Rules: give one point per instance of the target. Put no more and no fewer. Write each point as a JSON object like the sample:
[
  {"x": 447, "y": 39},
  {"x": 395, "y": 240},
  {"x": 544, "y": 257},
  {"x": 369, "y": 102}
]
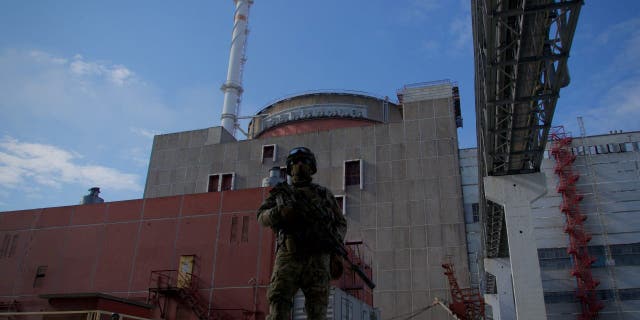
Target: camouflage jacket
[{"x": 318, "y": 214}]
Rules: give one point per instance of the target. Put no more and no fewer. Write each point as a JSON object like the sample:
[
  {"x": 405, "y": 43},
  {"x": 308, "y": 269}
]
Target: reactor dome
[{"x": 322, "y": 110}]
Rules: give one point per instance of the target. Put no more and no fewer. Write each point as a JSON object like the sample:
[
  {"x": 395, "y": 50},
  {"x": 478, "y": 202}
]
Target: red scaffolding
[
  {"x": 466, "y": 303},
  {"x": 578, "y": 238}
]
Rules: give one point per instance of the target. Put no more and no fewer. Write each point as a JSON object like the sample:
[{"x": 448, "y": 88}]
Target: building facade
[
  {"x": 393, "y": 167},
  {"x": 608, "y": 167}
]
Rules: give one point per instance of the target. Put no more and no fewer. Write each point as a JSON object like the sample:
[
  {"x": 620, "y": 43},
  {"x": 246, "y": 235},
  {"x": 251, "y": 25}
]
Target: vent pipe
[{"x": 232, "y": 88}]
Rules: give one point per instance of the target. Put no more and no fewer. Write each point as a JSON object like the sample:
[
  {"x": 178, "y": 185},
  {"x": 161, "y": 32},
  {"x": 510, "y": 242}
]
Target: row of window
[
  {"x": 604, "y": 295},
  {"x": 601, "y": 149},
  {"x": 353, "y": 172},
  {"x": 622, "y": 255}
]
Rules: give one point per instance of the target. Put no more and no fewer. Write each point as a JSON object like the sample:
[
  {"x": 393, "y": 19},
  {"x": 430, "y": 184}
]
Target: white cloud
[
  {"x": 618, "y": 110},
  {"x": 23, "y": 164},
  {"x": 616, "y": 82},
  {"x": 149, "y": 134},
  {"x": 117, "y": 74}
]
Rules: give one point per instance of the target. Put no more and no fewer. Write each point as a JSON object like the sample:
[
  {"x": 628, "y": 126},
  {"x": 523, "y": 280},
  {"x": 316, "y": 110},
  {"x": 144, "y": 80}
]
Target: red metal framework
[
  {"x": 350, "y": 282},
  {"x": 164, "y": 284},
  {"x": 574, "y": 228},
  {"x": 184, "y": 287},
  {"x": 466, "y": 303}
]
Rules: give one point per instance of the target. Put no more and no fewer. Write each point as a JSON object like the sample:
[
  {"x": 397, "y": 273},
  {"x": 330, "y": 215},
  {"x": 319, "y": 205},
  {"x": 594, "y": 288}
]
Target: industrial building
[
  {"x": 543, "y": 224},
  {"x": 392, "y": 166},
  {"x": 606, "y": 176}
]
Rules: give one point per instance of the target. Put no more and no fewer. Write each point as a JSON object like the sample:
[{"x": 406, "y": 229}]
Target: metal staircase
[
  {"x": 579, "y": 238},
  {"x": 184, "y": 287}
]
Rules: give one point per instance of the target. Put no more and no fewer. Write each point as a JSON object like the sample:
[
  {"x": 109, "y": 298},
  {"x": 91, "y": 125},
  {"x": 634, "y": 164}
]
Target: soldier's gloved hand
[{"x": 289, "y": 216}]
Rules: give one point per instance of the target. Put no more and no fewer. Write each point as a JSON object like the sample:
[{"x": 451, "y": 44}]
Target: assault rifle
[{"x": 285, "y": 196}]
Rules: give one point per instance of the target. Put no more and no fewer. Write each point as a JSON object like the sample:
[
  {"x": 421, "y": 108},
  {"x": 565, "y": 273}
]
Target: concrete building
[
  {"x": 609, "y": 182},
  {"x": 392, "y": 166}
]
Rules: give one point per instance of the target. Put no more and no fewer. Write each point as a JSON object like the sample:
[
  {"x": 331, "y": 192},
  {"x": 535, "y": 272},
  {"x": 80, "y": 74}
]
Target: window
[
  {"x": 283, "y": 173},
  {"x": 269, "y": 152},
  {"x": 614, "y": 147},
  {"x": 233, "y": 235},
  {"x": 554, "y": 259},
  {"x": 9, "y": 245},
  {"x": 353, "y": 173},
  {"x": 41, "y": 272},
  {"x": 347, "y": 309},
  {"x": 602, "y": 149},
  {"x": 626, "y": 254},
  {"x": 341, "y": 203},
  {"x": 591, "y": 150},
  {"x": 626, "y": 147},
  {"x": 475, "y": 211},
  {"x": 245, "y": 229},
  {"x": 214, "y": 183},
  {"x": 221, "y": 182},
  {"x": 227, "y": 182}
]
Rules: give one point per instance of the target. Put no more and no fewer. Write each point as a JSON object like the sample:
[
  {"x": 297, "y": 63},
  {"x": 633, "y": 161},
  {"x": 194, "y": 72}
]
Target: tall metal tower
[{"x": 232, "y": 88}]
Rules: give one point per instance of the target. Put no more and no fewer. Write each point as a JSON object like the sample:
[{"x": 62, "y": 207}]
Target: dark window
[
  {"x": 227, "y": 182},
  {"x": 40, "y": 273},
  {"x": 4, "y": 250},
  {"x": 352, "y": 173},
  {"x": 629, "y": 294},
  {"x": 268, "y": 152},
  {"x": 214, "y": 180},
  {"x": 283, "y": 173},
  {"x": 340, "y": 200},
  {"x": 245, "y": 229},
  {"x": 234, "y": 229},
  {"x": 602, "y": 149},
  {"x": 554, "y": 258},
  {"x": 626, "y": 254},
  {"x": 560, "y": 297},
  {"x": 475, "y": 209},
  {"x": 614, "y": 147}
]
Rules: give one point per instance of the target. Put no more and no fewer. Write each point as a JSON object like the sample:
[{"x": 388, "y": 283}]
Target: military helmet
[{"x": 304, "y": 154}]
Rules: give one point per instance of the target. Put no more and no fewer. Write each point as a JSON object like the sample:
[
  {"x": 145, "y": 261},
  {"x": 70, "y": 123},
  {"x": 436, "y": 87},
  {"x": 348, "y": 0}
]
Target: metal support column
[
  {"x": 502, "y": 301},
  {"x": 516, "y": 193}
]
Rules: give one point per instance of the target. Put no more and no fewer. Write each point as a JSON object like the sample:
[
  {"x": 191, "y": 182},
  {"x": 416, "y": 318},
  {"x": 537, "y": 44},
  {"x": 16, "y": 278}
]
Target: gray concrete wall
[
  {"x": 610, "y": 184},
  {"x": 470, "y": 194},
  {"x": 409, "y": 211}
]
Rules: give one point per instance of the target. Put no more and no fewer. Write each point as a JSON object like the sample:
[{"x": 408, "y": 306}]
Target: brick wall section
[{"x": 113, "y": 247}]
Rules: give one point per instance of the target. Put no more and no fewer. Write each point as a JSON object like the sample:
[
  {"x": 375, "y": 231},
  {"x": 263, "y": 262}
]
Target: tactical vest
[{"x": 318, "y": 223}]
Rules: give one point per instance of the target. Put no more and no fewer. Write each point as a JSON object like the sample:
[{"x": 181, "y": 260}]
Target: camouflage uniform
[{"x": 302, "y": 260}]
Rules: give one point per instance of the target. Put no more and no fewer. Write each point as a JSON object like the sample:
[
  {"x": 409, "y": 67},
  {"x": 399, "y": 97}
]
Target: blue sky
[{"x": 84, "y": 85}]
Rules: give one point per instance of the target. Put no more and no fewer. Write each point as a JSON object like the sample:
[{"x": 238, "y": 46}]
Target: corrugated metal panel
[{"x": 427, "y": 93}]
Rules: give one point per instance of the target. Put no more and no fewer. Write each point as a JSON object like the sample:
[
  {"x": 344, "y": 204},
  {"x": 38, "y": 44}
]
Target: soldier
[
  {"x": 303, "y": 221},
  {"x": 92, "y": 197}
]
